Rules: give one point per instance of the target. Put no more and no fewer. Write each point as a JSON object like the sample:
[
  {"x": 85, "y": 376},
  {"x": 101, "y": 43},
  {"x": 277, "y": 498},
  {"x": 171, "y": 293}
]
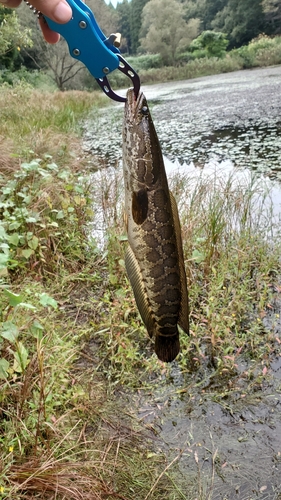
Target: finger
[
  {"x": 57, "y": 10},
  {"x": 10, "y": 3},
  {"x": 49, "y": 35}
]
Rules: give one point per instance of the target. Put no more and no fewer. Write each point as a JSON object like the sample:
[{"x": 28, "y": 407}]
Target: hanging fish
[{"x": 154, "y": 257}]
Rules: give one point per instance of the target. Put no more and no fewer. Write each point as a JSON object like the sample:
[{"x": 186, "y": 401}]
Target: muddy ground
[{"x": 226, "y": 434}]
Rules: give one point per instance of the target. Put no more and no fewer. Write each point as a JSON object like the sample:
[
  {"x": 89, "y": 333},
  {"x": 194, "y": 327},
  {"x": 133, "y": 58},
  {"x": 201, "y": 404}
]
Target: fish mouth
[{"x": 135, "y": 104}]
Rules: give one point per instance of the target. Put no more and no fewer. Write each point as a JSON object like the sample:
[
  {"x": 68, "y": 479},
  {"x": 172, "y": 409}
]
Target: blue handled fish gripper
[{"x": 88, "y": 44}]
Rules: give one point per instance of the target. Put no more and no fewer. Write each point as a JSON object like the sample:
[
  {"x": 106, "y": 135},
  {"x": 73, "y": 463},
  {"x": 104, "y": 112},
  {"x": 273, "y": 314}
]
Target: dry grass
[{"x": 44, "y": 122}]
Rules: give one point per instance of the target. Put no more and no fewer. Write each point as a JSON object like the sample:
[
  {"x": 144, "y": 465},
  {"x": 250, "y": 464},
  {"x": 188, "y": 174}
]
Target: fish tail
[{"x": 167, "y": 347}]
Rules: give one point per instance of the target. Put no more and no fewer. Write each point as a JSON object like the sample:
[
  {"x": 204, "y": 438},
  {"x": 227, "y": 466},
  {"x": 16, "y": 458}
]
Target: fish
[{"x": 154, "y": 256}]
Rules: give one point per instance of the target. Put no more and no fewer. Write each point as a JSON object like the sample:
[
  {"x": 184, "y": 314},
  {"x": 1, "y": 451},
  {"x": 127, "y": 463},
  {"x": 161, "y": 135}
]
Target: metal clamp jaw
[{"x": 88, "y": 44}]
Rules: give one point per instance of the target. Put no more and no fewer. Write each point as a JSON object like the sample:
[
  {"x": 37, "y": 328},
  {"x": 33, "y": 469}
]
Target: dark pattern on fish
[{"x": 154, "y": 258}]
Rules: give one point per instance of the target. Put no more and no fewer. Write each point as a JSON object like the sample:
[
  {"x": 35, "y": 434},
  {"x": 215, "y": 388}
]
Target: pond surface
[{"x": 228, "y": 440}]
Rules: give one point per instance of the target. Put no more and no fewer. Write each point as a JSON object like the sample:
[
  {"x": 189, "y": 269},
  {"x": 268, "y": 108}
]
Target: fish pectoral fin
[
  {"x": 136, "y": 280},
  {"x": 139, "y": 206},
  {"x": 184, "y": 308}
]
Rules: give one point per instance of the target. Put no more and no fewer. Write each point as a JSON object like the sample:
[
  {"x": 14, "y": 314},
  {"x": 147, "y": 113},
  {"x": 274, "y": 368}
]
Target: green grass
[
  {"x": 62, "y": 432},
  {"x": 232, "y": 253},
  {"x": 70, "y": 333}
]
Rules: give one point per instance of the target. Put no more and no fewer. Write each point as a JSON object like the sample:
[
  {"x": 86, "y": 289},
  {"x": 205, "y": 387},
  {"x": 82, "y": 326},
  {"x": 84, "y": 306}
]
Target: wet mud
[{"x": 226, "y": 432}]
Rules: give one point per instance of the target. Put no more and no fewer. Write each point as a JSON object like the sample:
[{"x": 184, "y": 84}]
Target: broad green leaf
[
  {"x": 4, "y": 367},
  {"x": 10, "y": 331},
  {"x": 37, "y": 329},
  {"x": 3, "y": 271},
  {"x": 4, "y": 258},
  {"x": 13, "y": 238},
  {"x": 14, "y": 298},
  {"x": 27, "y": 253},
  {"x": 198, "y": 256},
  {"x": 46, "y": 300},
  {"x": 3, "y": 234},
  {"x": 44, "y": 172},
  {"x": 52, "y": 166},
  {"x": 33, "y": 244},
  {"x": 123, "y": 237},
  {"x": 14, "y": 225},
  {"x": 20, "y": 358},
  {"x": 31, "y": 219}
]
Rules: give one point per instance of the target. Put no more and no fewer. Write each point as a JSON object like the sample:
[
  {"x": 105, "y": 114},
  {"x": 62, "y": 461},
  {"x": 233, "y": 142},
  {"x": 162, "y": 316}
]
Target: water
[{"x": 227, "y": 435}]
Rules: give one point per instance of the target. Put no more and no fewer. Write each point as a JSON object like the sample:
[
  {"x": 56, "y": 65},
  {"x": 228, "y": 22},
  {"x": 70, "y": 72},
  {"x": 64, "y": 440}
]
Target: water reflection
[{"x": 108, "y": 190}]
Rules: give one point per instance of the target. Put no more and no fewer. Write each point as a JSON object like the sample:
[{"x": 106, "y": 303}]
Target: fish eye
[{"x": 144, "y": 110}]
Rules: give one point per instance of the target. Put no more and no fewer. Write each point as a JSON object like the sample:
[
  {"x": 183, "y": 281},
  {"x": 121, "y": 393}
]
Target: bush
[
  {"x": 214, "y": 43},
  {"x": 145, "y": 61},
  {"x": 261, "y": 51},
  {"x": 35, "y": 78}
]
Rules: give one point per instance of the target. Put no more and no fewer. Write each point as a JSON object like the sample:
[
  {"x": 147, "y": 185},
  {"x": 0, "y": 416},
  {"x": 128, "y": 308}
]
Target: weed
[
  {"x": 231, "y": 246},
  {"x": 61, "y": 436},
  {"x": 70, "y": 331}
]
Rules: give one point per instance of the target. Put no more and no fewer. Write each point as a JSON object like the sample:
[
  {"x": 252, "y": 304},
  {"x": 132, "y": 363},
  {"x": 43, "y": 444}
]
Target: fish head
[
  {"x": 136, "y": 108},
  {"x": 142, "y": 155}
]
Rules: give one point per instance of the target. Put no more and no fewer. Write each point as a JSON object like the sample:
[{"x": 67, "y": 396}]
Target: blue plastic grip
[{"x": 86, "y": 41}]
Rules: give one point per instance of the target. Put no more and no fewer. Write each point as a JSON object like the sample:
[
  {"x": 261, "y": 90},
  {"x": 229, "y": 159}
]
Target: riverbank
[{"x": 84, "y": 399}]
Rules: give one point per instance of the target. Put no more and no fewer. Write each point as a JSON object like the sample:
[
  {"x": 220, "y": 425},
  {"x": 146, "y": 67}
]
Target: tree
[
  {"x": 164, "y": 29},
  {"x": 241, "y": 20},
  {"x": 137, "y": 7},
  {"x": 106, "y": 16},
  {"x": 124, "y": 12},
  {"x": 213, "y": 42},
  {"x": 205, "y": 10},
  {"x": 12, "y": 37},
  {"x": 56, "y": 59},
  {"x": 272, "y": 12}
]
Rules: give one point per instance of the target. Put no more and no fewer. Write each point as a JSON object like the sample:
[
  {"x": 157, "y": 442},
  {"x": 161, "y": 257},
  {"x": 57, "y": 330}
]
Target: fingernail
[{"x": 62, "y": 12}]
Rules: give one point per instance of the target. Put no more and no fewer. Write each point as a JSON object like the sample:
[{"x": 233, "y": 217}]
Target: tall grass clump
[
  {"x": 44, "y": 122},
  {"x": 192, "y": 69},
  {"x": 232, "y": 246},
  {"x": 261, "y": 51},
  {"x": 232, "y": 249},
  {"x": 62, "y": 435}
]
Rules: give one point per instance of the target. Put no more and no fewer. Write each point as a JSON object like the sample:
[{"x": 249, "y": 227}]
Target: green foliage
[
  {"x": 212, "y": 42},
  {"x": 31, "y": 217},
  {"x": 164, "y": 30},
  {"x": 241, "y": 20},
  {"x": 145, "y": 62},
  {"x": 34, "y": 78},
  {"x": 54, "y": 289},
  {"x": 12, "y": 37},
  {"x": 124, "y": 25},
  {"x": 262, "y": 51},
  {"x": 136, "y": 12},
  {"x": 272, "y": 12}
]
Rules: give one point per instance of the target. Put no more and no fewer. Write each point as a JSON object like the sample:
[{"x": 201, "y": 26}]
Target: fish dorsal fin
[
  {"x": 184, "y": 308},
  {"x": 135, "y": 277}
]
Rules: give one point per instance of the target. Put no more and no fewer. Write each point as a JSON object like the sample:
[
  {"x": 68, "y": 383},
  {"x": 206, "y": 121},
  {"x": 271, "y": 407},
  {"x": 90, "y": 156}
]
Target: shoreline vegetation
[
  {"x": 71, "y": 339},
  {"x": 261, "y": 52}
]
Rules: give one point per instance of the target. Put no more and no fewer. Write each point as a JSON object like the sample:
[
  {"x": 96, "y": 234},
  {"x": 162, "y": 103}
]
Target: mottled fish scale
[{"x": 154, "y": 258}]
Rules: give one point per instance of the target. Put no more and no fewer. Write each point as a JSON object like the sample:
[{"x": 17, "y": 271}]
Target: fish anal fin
[
  {"x": 184, "y": 308},
  {"x": 135, "y": 277}
]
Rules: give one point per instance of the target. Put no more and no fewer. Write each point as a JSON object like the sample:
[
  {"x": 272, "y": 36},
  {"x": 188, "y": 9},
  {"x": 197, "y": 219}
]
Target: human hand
[{"x": 57, "y": 10}]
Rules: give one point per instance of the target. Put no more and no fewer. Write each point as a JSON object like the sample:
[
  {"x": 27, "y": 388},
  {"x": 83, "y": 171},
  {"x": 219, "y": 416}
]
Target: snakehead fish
[{"x": 154, "y": 256}]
